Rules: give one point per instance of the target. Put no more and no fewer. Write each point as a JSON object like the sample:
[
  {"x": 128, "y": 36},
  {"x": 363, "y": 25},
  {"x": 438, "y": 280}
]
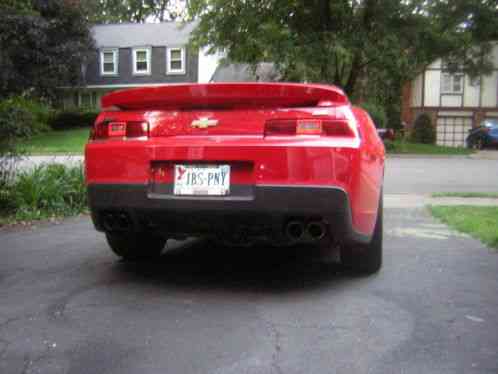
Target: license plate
[{"x": 208, "y": 180}]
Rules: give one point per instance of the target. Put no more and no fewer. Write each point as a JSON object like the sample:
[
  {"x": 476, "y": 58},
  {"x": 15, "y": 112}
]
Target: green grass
[
  {"x": 488, "y": 195},
  {"x": 57, "y": 142},
  {"x": 404, "y": 147},
  {"x": 480, "y": 222}
]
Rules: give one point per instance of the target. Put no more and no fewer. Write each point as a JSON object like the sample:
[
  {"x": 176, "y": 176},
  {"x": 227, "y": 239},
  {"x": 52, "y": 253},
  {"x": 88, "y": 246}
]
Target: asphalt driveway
[{"x": 68, "y": 306}]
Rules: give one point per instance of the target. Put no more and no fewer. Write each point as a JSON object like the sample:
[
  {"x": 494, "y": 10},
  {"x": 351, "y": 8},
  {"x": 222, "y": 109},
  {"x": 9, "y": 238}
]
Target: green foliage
[
  {"x": 390, "y": 146},
  {"x": 478, "y": 221},
  {"x": 363, "y": 46},
  {"x": 70, "y": 119},
  {"x": 139, "y": 11},
  {"x": 405, "y": 147},
  {"x": 377, "y": 113},
  {"x": 20, "y": 118},
  {"x": 423, "y": 131},
  {"x": 45, "y": 191},
  {"x": 57, "y": 142},
  {"x": 43, "y": 45}
]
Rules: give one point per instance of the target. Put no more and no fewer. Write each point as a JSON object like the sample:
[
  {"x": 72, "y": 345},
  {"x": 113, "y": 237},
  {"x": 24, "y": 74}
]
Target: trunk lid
[{"x": 224, "y": 108}]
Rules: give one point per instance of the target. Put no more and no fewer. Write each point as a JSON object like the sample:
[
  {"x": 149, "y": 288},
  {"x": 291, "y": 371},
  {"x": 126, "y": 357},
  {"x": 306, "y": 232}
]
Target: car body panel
[
  {"x": 486, "y": 135},
  {"x": 348, "y": 168}
]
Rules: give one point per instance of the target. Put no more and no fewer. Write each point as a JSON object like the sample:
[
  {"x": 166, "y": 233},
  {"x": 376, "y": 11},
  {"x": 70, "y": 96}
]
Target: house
[
  {"x": 136, "y": 55},
  {"x": 264, "y": 72},
  {"x": 455, "y": 101}
]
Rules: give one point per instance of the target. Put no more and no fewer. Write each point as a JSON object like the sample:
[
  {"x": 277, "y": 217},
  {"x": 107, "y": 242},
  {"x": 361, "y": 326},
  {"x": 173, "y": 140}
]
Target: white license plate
[{"x": 208, "y": 180}]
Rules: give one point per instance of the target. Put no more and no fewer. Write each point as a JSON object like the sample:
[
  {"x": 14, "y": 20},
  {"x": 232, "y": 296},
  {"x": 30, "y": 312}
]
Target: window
[
  {"x": 109, "y": 62},
  {"x": 452, "y": 83},
  {"x": 175, "y": 60},
  {"x": 141, "y": 61}
]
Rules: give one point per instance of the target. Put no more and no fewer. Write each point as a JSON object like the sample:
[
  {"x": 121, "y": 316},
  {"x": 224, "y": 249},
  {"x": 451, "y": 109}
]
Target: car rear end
[{"x": 280, "y": 162}]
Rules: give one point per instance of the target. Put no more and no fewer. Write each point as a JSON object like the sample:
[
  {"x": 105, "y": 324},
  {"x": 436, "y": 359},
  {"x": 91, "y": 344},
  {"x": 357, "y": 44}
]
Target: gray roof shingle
[{"x": 125, "y": 35}]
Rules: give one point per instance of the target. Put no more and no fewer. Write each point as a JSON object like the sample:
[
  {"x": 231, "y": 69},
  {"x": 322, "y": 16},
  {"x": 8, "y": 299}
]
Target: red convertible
[{"x": 274, "y": 163}]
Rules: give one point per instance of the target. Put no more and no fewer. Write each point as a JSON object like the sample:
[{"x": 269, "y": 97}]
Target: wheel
[
  {"x": 479, "y": 143},
  {"x": 136, "y": 246},
  {"x": 366, "y": 258},
  {"x": 476, "y": 143}
]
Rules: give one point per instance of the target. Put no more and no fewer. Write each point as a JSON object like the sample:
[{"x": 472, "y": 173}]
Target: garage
[{"x": 452, "y": 130}]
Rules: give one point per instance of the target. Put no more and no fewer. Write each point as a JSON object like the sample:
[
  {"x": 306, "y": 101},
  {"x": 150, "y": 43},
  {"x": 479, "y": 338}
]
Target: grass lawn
[
  {"x": 481, "y": 222},
  {"x": 403, "y": 147},
  {"x": 489, "y": 195},
  {"x": 54, "y": 142}
]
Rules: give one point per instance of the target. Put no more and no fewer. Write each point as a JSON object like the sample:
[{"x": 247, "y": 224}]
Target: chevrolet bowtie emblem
[{"x": 204, "y": 123}]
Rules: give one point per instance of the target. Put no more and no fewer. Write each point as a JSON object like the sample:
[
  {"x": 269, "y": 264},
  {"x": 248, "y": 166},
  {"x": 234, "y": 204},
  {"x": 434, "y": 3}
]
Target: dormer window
[
  {"x": 141, "y": 61},
  {"x": 109, "y": 61},
  {"x": 175, "y": 61}
]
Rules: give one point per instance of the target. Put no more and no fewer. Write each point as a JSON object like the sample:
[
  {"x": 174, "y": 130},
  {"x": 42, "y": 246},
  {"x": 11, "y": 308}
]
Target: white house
[{"x": 455, "y": 102}]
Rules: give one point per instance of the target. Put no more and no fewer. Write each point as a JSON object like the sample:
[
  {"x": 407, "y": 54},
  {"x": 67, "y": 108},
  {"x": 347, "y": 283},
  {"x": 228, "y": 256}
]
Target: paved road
[
  {"x": 68, "y": 306},
  {"x": 426, "y": 175}
]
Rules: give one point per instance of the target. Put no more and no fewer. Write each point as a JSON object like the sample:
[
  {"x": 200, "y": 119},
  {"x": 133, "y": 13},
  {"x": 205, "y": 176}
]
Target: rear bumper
[{"x": 261, "y": 208}]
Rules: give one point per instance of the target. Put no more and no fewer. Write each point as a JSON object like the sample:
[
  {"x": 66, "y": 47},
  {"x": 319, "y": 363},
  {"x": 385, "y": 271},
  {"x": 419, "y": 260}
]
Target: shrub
[
  {"x": 423, "y": 131},
  {"x": 70, "y": 119},
  {"x": 377, "y": 113},
  {"x": 16, "y": 122},
  {"x": 389, "y": 145},
  {"x": 48, "y": 190}
]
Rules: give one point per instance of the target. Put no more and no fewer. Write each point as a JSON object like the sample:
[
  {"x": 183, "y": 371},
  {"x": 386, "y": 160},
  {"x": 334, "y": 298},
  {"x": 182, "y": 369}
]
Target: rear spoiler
[{"x": 225, "y": 96}]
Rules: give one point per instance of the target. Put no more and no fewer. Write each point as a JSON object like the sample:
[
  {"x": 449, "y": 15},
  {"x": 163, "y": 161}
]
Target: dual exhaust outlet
[
  {"x": 116, "y": 221},
  {"x": 297, "y": 230}
]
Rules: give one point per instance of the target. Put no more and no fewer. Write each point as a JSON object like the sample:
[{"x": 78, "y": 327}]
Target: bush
[
  {"x": 20, "y": 118},
  {"x": 423, "y": 131},
  {"x": 46, "y": 191},
  {"x": 71, "y": 119},
  {"x": 377, "y": 113}
]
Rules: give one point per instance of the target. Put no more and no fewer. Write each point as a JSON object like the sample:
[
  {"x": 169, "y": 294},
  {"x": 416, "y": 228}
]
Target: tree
[
  {"x": 355, "y": 44},
  {"x": 139, "y": 11},
  {"x": 43, "y": 44}
]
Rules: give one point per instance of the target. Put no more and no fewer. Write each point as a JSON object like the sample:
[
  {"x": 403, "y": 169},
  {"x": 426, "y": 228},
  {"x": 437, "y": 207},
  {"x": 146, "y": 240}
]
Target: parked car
[
  {"x": 386, "y": 134},
  {"x": 239, "y": 162},
  {"x": 486, "y": 135}
]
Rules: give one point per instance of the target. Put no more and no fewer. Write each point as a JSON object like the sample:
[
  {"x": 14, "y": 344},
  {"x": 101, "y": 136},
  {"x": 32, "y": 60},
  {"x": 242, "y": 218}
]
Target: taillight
[
  {"x": 116, "y": 129},
  {"x": 327, "y": 127}
]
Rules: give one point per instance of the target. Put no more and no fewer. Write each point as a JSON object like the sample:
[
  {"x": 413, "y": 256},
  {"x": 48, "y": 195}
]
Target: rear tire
[
  {"x": 366, "y": 258},
  {"x": 135, "y": 246}
]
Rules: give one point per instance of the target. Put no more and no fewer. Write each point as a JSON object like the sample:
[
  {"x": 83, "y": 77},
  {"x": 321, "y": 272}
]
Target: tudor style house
[
  {"x": 455, "y": 102},
  {"x": 136, "y": 55}
]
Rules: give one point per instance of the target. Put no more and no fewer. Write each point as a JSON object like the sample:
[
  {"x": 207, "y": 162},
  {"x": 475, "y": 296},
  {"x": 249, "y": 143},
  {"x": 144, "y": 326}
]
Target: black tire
[
  {"x": 135, "y": 246},
  {"x": 476, "y": 143},
  {"x": 366, "y": 258}
]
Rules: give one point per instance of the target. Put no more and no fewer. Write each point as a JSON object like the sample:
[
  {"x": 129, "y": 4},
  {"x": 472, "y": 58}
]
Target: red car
[{"x": 279, "y": 163}]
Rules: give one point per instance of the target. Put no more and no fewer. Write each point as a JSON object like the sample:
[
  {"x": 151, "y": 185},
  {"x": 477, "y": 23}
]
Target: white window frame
[
  {"x": 169, "y": 70},
  {"x": 148, "y": 52},
  {"x": 452, "y": 78},
  {"x": 115, "y": 60}
]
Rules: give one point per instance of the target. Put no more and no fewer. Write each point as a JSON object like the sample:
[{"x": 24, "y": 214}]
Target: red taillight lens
[
  {"x": 332, "y": 127},
  {"x": 137, "y": 129},
  {"x": 280, "y": 127},
  {"x": 134, "y": 129},
  {"x": 337, "y": 128}
]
